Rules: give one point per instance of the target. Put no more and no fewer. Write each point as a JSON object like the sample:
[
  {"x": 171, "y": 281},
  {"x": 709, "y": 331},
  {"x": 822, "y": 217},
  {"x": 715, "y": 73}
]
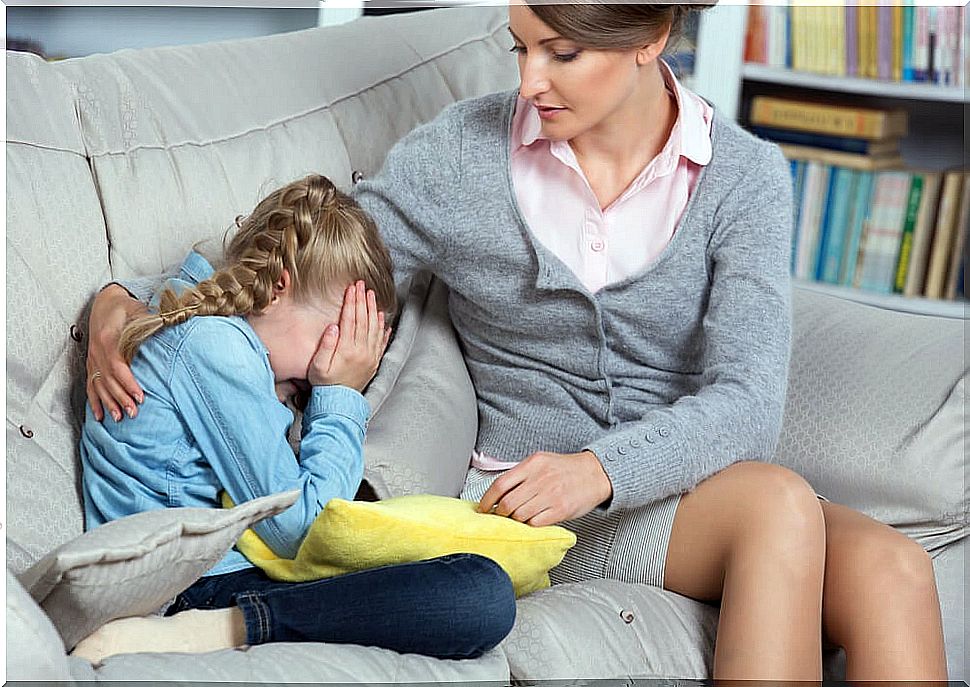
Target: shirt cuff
[{"x": 337, "y": 400}]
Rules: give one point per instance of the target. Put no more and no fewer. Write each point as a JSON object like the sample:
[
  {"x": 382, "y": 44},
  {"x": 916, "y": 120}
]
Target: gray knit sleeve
[
  {"x": 416, "y": 194},
  {"x": 736, "y": 414}
]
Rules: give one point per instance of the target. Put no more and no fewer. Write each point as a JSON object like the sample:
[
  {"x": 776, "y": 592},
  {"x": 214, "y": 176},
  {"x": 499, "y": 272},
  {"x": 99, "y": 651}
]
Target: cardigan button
[
  {"x": 664, "y": 432},
  {"x": 635, "y": 443},
  {"x": 356, "y": 177},
  {"x": 621, "y": 450}
]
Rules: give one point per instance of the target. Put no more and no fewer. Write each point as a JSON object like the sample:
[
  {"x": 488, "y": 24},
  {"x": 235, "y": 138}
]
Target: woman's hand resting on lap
[{"x": 548, "y": 488}]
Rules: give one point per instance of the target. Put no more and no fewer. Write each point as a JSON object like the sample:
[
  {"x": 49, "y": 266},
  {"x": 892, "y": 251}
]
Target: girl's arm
[{"x": 224, "y": 391}]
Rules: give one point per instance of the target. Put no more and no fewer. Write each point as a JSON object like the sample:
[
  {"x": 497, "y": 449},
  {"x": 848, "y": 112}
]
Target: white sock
[{"x": 189, "y": 632}]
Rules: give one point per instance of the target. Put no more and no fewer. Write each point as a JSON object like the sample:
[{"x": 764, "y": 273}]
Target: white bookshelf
[
  {"x": 882, "y": 89},
  {"x": 937, "y": 122}
]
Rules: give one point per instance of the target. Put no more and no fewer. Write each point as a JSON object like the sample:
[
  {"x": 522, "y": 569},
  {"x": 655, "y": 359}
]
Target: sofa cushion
[
  {"x": 424, "y": 415},
  {"x": 34, "y": 649},
  {"x": 311, "y": 662},
  {"x": 57, "y": 256},
  {"x": 875, "y": 414},
  {"x": 134, "y": 565},
  {"x": 610, "y": 629},
  {"x": 184, "y": 139}
]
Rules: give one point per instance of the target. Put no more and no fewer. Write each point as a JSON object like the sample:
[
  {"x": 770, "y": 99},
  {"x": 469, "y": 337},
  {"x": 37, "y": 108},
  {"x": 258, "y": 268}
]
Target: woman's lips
[{"x": 546, "y": 112}]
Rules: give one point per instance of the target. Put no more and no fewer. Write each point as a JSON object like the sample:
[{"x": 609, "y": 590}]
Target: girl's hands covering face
[{"x": 350, "y": 353}]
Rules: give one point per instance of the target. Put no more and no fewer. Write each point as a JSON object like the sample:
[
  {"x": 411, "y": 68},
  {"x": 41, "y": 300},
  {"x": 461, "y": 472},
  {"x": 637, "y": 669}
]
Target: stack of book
[
  {"x": 856, "y": 137},
  {"x": 862, "y": 219},
  {"x": 897, "y": 42}
]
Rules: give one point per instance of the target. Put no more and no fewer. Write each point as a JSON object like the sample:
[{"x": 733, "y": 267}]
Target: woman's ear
[{"x": 651, "y": 52}]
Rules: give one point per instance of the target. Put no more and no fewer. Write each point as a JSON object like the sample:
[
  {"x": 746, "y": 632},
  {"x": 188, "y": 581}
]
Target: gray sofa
[{"x": 117, "y": 164}]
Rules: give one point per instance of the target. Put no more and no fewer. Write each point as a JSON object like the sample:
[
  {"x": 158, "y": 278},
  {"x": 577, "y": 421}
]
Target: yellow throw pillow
[{"x": 356, "y": 535}]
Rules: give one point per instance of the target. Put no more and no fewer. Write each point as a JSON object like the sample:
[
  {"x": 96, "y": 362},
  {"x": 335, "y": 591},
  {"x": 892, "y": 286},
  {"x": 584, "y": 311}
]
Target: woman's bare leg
[
  {"x": 880, "y": 601},
  {"x": 753, "y": 536}
]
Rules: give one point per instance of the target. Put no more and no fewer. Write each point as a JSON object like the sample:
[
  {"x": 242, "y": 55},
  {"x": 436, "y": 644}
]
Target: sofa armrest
[{"x": 34, "y": 649}]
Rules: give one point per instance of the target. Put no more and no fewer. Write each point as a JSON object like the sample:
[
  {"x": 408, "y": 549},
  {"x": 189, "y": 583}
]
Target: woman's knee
[
  {"x": 779, "y": 509},
  {"x": 893, "y": 563}
]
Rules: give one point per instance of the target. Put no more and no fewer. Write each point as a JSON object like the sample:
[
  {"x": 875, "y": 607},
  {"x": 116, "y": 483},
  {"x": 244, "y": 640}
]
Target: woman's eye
[
  {"x": 518, "y": 49},
  {"x": 565, "y": 56}
]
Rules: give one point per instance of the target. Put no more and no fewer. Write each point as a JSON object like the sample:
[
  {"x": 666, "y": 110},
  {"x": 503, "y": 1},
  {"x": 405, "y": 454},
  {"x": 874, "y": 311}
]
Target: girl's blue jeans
[{"x": 456, "y": 606}]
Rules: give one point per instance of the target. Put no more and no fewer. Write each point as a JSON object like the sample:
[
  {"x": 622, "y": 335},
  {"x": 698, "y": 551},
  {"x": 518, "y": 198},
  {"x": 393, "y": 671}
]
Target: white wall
[{"x": 67, "y": 31}]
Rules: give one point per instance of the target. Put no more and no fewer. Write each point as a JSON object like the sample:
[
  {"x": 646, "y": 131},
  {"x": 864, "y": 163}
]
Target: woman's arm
[
  {"x": 110, "y": 384},
  {"x": 409, "y": 198},
  {"x": 736, "y": 414}
]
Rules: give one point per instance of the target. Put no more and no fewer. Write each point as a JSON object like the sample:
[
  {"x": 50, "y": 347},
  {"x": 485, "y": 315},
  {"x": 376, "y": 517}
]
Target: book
[
  {"x": 923, "y": 233},
  {"x": 798, "y": 188},
  {"x": 837, "y": 219},
  {"x": 921, "y": 41},
  {"x": 841, "y": 159},
  {"x": 852, "y": 40},
  {"x": 813, "y": 200},
  {"x": 897, "y": 42},
  {"x": 756, "y": 38},
  {"x": 828, "y": 118},
  {"x": 856, "y": 223},
  {"x": 946, "y": 221},
  {"x": 826, "y": 223},
  {"x": 906, "y": 239},
  {"x": 860, "y": 146},
  {"x": 908, "y": 32},
  {"x": 958, "y": 258},
  {"x": 878, "y": 253},
  {"x": 884, "y": 42}
]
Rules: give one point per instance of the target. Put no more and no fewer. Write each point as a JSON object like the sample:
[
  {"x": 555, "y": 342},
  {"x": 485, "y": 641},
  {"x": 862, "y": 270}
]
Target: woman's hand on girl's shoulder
[
  {"x": 350, "y": 353},
  {"x": 110, "y": 384}
]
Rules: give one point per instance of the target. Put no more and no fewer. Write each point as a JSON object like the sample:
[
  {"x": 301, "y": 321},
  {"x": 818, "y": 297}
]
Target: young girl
[{"x": 289, "y": 311}]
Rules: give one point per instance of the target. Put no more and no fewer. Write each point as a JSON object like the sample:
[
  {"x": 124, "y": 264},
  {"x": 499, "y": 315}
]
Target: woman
[{"x": 617, "y": 253}]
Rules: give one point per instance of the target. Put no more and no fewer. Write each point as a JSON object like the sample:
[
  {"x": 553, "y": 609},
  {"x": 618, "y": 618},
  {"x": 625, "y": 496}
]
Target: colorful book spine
[
  {"x": 825, "y": 223},
  {"x": 852, "y": 40},
  {"x": 897, "y": 42},
  {"x": 816, "y": 186},
  {"x": 829, "y": 119},
  {"x": 856, "y": 226},
  {"x": 921, "y": 45},
  {"x": 885, "y": 228},
  {"x": 884, "y": 42},
  {"x": 906, "y": 240},
  {"x": 859, "y": 146},
  {"x": 839, "y": 66},
  {"x": 946, "y": 221},
  {"x": 923, "y": 233},
  {"x": 908, "y": 31},
  {"x": 846, "y": 181},
  {"x": 798, "y": 190},
  {"x": 958, "y": 257}
]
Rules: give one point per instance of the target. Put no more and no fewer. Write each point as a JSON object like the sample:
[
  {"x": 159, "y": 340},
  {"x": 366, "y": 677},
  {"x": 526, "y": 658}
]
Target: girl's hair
[
  {"x": 616, "y": 25},
  {"x": 311, "y": 229}
]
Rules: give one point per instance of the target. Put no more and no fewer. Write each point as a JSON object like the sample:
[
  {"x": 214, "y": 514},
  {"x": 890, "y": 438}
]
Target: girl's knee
[{"x": 490, "y": 604}]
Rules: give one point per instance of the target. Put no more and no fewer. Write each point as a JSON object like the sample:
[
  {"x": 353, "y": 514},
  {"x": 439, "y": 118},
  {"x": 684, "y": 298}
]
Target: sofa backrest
[{"x": 117, "y": 164}]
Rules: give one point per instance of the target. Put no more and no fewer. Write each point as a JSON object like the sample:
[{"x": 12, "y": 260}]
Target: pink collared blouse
[{"x": 605, "y": 246}]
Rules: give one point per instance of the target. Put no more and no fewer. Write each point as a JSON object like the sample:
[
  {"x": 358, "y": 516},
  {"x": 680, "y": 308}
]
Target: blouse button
[{"x": 597, "y": 245}]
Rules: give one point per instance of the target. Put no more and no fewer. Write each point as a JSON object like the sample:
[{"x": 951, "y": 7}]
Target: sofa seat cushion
[
  {"x": 291, "y": 663},
  {"x": 610, "y": 629}
]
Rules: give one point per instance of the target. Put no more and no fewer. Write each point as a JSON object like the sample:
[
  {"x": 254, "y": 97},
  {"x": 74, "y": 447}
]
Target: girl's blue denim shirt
[{"x": 211, "y": 422}]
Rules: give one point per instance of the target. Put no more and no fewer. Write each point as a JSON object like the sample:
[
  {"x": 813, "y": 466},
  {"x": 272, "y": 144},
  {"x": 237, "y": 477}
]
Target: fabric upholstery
[
  {"x": 132, "y": 566},
  {"x": 875, "y": 415},
  {"x": 57, "y": 257},
  {"x": 34, "y": 649}
]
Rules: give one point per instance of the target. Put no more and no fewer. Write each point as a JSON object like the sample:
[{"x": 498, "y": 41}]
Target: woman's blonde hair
[
  {"x": 617, "y": 24},
  {"x": 309, "y": 228}
]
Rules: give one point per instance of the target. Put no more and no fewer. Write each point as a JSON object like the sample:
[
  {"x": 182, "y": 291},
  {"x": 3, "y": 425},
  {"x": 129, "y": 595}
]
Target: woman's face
[{"x": 575, "y": 90}]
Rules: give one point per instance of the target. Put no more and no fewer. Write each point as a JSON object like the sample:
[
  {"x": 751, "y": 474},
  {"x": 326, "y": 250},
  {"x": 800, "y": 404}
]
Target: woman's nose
[{"x": 533, "y": 81}]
